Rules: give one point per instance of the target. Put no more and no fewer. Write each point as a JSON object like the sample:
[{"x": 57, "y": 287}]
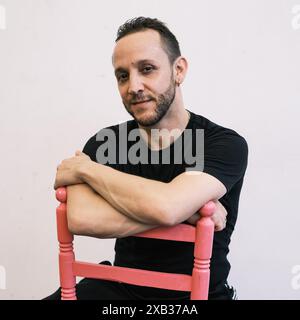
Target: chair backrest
[{"x": 197, "y": 283}]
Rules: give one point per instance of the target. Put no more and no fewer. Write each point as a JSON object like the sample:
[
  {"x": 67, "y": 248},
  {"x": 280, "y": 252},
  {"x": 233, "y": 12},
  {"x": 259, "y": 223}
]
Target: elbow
[
  {"x": 165, "y": 215},
  {"x": 76, "y": 224},
  {"x": 170, "y": 212},
  {"x": 84, "y": 225},
  {"x": 170, "y": 217},
  {"x": 155, "y": 213},
  {"x": 162, "y": 210}
]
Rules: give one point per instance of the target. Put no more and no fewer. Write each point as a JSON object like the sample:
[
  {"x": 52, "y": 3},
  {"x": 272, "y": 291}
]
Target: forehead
[{"x": 138, "y": 46}]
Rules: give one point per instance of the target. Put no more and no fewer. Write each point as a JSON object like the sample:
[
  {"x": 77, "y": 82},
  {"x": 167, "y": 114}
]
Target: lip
[{"x": 141, "y": 102}]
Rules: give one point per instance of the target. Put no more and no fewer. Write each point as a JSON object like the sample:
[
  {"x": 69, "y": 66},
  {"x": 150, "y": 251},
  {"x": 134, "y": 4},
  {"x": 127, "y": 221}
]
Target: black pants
[{"x": 97, "y": 289}]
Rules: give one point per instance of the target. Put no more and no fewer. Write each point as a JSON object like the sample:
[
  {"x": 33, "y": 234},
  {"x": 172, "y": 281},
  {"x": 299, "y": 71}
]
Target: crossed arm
[
  {"x": 106, "y": 203},
  {"x": 91, "y": 215}
]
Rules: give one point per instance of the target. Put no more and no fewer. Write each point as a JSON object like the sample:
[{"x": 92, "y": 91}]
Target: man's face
[{"x": 143, "y": 73}]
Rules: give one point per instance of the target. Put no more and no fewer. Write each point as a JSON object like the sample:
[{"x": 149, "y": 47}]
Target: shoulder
[
  {"x": 109, "y": 134},
  {"x": 225, "y": 151},
  {"x": 216, "y": 134}
]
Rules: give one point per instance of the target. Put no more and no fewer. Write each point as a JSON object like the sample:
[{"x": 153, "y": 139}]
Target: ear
[{"x": 180, "y": 69}]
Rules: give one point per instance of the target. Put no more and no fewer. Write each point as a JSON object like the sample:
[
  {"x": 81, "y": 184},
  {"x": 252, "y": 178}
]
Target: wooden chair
[{"x": 197, "y": 283}]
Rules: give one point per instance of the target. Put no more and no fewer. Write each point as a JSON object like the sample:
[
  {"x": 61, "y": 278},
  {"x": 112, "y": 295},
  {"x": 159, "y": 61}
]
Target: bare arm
[
  {"x": 91, "y": 215},
  {"x": 136, "y": 197},
  {"x": 143, "y": 200},
  {"x": 150, "y": 201}
]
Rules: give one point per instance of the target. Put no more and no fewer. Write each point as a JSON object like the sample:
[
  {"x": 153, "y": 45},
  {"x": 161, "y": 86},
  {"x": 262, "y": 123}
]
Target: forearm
[
  {"x": 91, "y": 215},
  {"x": 135, "y": 197}
]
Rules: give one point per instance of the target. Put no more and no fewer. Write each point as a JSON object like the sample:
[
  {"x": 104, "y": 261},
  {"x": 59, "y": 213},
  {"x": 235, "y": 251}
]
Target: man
[{"x": 110, "y": 196}]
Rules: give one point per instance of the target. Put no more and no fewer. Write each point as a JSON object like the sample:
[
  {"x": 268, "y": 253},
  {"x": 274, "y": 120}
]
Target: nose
[{"x": 135, "y": 84}]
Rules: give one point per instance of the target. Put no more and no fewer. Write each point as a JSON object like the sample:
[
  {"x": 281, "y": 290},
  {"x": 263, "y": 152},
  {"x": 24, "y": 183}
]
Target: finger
[
  {"x": 217, "y": 228},
  {"x": 220, "y": 224}
]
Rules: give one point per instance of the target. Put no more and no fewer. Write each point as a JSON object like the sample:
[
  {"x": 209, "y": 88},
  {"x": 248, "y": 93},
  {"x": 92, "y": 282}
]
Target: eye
[
  {"x": 122, "y": 77},
  {"x": 147, "y": 69}
]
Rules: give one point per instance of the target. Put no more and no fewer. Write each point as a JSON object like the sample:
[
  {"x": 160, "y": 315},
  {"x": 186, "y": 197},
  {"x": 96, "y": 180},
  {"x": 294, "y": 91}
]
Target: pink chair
[{"x": 197, "y": 283}]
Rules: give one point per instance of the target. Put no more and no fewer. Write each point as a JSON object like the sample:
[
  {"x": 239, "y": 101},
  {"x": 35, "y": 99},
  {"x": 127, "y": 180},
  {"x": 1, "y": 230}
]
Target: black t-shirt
[{"x": 225, "y": 158}]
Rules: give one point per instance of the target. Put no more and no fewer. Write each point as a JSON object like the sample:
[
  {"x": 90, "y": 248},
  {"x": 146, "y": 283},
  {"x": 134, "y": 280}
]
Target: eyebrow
[{"x": 138, "y": 63}]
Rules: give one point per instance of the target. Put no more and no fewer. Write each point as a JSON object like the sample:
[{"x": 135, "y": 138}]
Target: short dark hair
[{"x": 169, "y": 41}]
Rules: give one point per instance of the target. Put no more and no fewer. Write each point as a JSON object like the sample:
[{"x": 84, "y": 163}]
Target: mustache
[{"x": 139, "y": 98}]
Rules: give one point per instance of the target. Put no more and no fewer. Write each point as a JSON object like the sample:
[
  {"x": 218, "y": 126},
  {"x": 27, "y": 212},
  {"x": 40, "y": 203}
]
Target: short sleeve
[
  {"x": 225, "y": 157},
  {"x": 93, "y": 145}
]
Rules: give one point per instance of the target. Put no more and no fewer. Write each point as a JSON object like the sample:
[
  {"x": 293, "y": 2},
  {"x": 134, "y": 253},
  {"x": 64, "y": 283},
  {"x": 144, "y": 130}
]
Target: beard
[{"x": 163, "y": 104}]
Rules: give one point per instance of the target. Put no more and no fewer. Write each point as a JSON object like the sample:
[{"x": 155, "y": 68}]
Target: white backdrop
[{"x": 57, "y": 89}]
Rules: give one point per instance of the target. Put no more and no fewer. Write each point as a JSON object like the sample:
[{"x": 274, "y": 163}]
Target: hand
[
  {"x": 68, "y": 171},
  {"x": 218, "y": 217}
]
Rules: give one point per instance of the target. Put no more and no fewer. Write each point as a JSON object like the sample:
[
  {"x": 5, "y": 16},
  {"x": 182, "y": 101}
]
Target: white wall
[{"x": 57, "y": 89}]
